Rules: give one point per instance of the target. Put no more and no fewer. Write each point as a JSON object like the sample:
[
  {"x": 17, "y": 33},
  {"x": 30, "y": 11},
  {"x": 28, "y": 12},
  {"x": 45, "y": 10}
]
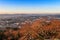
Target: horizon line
[{"x": 29, "y": 13}]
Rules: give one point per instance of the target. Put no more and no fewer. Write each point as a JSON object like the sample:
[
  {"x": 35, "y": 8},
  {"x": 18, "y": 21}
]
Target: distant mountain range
[{"x": 25, "y": 15}]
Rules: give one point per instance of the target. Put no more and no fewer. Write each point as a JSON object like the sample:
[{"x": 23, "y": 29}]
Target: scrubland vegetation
[{"x": 39, "y": 29}]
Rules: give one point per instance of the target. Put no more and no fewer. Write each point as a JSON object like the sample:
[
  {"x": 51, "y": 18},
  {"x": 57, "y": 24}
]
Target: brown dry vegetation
[{"x": 37, "y": 30}]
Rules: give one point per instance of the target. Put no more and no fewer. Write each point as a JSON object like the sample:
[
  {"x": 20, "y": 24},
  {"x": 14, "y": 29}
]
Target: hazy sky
[{"x": 29, "y": 6}]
